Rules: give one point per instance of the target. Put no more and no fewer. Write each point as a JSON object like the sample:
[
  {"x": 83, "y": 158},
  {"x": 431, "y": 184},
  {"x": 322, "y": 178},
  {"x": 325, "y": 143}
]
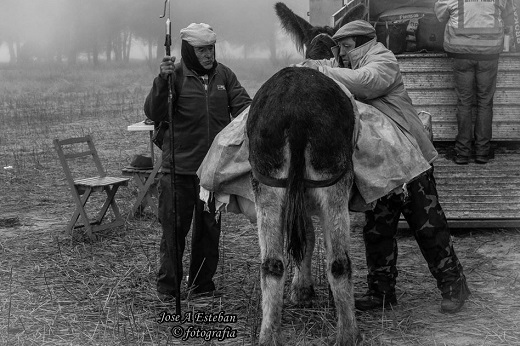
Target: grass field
[{"x": 57, "y": 289}]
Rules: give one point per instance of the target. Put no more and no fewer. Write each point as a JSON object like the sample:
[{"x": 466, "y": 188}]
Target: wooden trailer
[{"x": 474, "y": 195}]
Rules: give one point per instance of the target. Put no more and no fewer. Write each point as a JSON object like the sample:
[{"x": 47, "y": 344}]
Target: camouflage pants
[{"x": 426, "y": 219}]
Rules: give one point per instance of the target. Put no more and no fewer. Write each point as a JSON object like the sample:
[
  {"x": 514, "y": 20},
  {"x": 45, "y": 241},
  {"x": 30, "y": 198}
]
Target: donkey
[
  {"x": 300, "y": 130},
  {"x": 316, "y": 41}
]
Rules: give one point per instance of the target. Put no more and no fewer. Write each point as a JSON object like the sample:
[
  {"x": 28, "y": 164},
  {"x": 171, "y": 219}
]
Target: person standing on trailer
[{"x": 474, "y": 38}]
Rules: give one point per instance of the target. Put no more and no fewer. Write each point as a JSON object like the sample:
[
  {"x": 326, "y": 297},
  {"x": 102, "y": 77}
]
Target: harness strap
[{"x": 309, "y": 183}]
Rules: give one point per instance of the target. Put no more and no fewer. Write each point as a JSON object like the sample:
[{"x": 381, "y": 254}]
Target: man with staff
[{"x": 206, "y": 96}]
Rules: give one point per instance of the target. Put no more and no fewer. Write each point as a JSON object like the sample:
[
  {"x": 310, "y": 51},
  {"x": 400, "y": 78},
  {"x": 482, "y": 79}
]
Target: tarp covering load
[
  {"x": 226, "y": 166},
  {"x": 384, "y": 159}
]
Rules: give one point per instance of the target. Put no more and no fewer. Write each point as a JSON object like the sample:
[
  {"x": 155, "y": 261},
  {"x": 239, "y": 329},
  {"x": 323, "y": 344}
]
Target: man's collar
[{"x": 357, "y": 53}]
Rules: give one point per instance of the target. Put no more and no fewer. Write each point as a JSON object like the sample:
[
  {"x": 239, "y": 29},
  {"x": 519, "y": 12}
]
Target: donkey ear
[
  {"x": 296, "y": 26},
  {"x": 357, "y": 12}
]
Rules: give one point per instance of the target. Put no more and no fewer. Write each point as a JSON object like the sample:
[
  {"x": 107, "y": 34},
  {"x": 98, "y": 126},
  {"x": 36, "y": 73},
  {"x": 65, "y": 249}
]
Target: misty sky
[{"x": 37, "y": 18}]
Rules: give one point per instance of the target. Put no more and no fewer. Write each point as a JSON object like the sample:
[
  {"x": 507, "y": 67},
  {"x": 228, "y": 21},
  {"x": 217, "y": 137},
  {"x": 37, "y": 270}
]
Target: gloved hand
[{"x": 307, "y": 63}]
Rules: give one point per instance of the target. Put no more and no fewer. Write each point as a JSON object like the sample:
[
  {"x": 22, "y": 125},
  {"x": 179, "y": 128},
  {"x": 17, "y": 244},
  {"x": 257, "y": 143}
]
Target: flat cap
[
  {"x": 199, "y": 34},
  {"x": 355, "y": 28}
]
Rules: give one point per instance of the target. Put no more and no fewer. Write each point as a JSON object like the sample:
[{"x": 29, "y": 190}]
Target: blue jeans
[
  {"x": 205, "y": 235},
  {"x": 474, "y": 79}
]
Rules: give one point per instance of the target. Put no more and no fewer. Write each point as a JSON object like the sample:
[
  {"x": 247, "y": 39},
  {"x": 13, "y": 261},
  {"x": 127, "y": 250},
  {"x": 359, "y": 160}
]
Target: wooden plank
[
  {"x": 477, "y": 181},
  {"x": 479, "y": 196},
  {"x": 463, "y": 223},
  {"x": 485, "y": 196},
  {"x": 509, "y": 171},
  {"x": 101, "y": 181},
  {"x": 482, "y": 177},
  {"x": 421, "y": 97},
  {"x": 466, "y": 204},
  {"x": 78, "y": 154},
  {"x": 444, "y": 80},
  {"x": 484, "y": 223},
  {"x": 140, "y": 126},
  {"x": 440, "y": 62},
  {"x": 455, "y": 213},
  {"x": 509, "y": 167},
  {"x": 75, "y": 140},
  {"x": 446, "y": 65},
  {"x": 132, "y": 171},
  {"x": 480, "y": 192},
  {"x": 447, "y": 113},
  {"x": 500, "y": 133}
]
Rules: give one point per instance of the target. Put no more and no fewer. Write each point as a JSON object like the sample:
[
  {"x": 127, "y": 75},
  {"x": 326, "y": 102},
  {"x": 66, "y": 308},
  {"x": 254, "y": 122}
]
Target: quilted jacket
[{"x": 375, "y": 79}]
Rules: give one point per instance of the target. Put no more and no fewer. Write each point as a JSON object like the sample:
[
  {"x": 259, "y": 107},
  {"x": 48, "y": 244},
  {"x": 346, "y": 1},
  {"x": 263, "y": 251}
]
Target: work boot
[
  {"x": 461, "y": 159},
  {"x": 375, "y": 300},
  {"x": 453, "y": 304},
  {"x": 482, "y": 159}
]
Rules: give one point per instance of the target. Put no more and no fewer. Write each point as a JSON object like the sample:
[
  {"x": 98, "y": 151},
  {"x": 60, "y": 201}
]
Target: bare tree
[
  {"x": 70, "y": 28},
  {"x": 10, "y": 28}
]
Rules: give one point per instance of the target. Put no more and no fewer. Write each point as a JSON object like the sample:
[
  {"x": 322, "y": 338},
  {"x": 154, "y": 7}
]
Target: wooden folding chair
[
  {"x": 74, "y": 149},
  {"x": 144, "y": 179}
]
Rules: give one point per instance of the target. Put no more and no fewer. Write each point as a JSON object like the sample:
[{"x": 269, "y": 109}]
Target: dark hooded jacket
[{"x": 200, "y": 112}]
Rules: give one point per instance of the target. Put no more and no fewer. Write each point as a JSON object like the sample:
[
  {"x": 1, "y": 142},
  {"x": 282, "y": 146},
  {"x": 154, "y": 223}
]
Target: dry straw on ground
[{"x": 57, "y": 289}]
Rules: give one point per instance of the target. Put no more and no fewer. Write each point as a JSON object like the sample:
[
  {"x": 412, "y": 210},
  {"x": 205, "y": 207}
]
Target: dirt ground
[
  {"x": 491, "y": 260},
  {"x": 59, "y": 289}
]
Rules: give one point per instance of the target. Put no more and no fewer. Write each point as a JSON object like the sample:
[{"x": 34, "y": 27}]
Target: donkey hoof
[{"x": 303, "y": 295}]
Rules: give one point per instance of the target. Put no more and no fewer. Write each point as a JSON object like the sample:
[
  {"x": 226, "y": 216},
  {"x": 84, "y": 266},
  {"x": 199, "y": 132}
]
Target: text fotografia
[
  {"x": 196, "y": 332},
  {"x": 197, "y": 317}
]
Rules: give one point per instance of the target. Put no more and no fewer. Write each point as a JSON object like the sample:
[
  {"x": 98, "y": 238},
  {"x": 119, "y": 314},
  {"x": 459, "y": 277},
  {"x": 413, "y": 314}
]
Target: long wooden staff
[{"x": 176, "y": 254}]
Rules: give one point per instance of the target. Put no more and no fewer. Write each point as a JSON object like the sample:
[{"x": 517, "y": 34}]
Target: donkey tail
[{"x": 294, "y": 218}]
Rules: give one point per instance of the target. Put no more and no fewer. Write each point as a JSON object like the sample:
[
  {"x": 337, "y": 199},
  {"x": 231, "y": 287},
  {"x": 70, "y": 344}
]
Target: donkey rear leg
[
  {"x": 336, "y": 232},
  {"x": 273, "y": 266},
  {"x": 302, "y": 286}
]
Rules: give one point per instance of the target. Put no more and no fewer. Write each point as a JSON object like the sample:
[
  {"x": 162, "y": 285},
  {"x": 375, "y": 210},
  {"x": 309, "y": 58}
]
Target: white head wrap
[{"x": 199, "y": 35}]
